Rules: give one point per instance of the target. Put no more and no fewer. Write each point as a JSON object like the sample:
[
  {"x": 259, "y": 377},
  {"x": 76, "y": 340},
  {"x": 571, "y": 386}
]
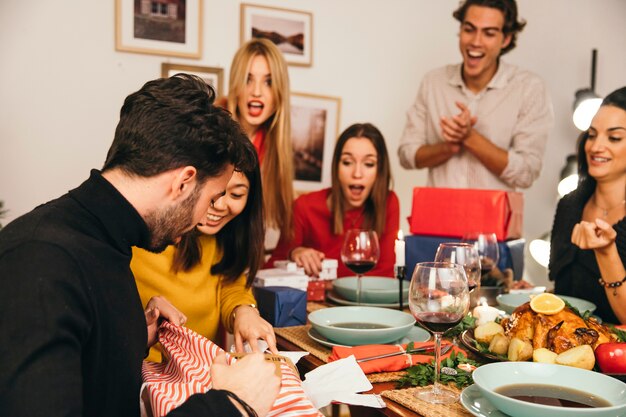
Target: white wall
[{"x": 62, "y": 82}]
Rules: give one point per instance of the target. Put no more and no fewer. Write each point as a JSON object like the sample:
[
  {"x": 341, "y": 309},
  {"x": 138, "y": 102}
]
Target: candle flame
[{"x": 400, "y": 235}]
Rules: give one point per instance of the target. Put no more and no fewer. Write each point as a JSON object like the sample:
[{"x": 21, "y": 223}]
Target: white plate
[
  {"x": 473, "y": 401},
  {"x": 332, "y": 296},
  {"x": 416, "y": 334}
]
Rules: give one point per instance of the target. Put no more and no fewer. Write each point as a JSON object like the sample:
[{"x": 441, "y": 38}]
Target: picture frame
[
  {"x": 314, "y": 130},
  {"x": 211, "y": 75},
  {"x": 290, "y": 30},
  {"x": 159, "y": 27}
]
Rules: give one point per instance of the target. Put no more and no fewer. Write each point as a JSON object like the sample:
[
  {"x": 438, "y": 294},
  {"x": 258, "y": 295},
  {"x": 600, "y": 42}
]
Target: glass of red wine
[
  {"x": 360, "y": 252},
  {"x": 439, "y": 299},
  {"x": 466, "y": 255}
]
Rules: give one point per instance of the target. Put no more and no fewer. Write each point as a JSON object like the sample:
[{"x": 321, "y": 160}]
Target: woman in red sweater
[{"x": 360, "y": 198}]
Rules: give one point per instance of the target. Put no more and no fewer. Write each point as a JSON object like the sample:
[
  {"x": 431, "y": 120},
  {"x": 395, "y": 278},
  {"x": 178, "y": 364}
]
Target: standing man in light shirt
[{"x": 482, "y": 123}]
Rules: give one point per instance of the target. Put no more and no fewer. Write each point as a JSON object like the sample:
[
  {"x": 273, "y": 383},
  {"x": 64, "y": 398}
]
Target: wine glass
[
  {"x": 360, "y": 252},
  {"x": 438, "y": 299},
  {"x": 487, "y": 246},
  {"x": 466, "y": 255}
]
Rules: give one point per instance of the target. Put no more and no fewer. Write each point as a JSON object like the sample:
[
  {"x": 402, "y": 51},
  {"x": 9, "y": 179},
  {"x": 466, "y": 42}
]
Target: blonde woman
[{"x": 258, "y": 99}]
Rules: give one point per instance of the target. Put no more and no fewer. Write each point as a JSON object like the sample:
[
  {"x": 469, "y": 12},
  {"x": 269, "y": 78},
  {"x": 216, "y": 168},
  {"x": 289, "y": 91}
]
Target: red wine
[
  {"x": 438, "y": 322},
  {"x": 360, "y": 267}
]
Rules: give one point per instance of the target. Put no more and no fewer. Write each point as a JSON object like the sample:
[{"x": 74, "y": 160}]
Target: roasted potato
[
  {"x": 499, "y": 344},
  {"x": 519, "y": 350},
  {"x": 580, "y": 357},
  {"x": 544, "y": 355},
  {"x": 484, "y": 333}
]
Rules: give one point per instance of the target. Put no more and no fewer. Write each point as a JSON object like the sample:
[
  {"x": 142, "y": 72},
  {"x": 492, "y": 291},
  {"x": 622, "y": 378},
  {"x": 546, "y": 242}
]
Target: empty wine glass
[
  {"x": 438, "y": 299},
  {"x": 466, "y": 255},
  {"x": 360, "y": 252},
  {"x": 487, "y": 246}
]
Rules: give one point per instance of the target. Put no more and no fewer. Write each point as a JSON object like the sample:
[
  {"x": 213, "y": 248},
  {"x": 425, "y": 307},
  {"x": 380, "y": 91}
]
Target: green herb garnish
[
  {"x": 424, "y": 374},
  {"x": 621, "y": 334},
  {"x": 467, "y": 323}
]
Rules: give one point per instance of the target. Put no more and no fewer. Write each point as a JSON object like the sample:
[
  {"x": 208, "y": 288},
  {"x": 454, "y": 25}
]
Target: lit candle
[{"x": 399, "y": 249}]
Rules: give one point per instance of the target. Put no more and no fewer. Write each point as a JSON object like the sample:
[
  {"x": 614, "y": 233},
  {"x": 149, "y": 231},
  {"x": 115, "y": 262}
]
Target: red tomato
[{"x": 611, "y": 357}]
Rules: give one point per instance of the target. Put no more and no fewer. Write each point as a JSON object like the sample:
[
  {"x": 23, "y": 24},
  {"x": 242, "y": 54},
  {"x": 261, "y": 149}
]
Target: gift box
[
  {"x": 281, "y": 306},
  {"x": 424, "y": 248},
  {"x": 316, "y": 290},
  {"x": 453, "y": 212}
]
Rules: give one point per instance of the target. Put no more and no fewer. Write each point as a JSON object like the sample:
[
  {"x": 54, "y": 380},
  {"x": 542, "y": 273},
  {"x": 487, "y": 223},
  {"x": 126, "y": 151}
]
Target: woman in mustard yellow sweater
[{"x": 204, "y": 274}]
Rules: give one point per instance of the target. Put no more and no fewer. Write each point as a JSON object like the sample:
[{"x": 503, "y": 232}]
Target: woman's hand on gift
[
  {"x": 309, "y": 259},
  {"x": 595, "y": 235},
  {"x": 160, "y": 308},
  {"x": 251, "y": 378},
  {"x": 249, "y": 326}
]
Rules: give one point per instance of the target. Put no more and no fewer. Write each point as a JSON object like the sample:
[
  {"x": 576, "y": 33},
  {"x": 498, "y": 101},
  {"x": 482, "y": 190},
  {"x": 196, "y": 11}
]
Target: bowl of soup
[
  {"x": 530, "y": 389},
  {"x": 361, "y": 325}
]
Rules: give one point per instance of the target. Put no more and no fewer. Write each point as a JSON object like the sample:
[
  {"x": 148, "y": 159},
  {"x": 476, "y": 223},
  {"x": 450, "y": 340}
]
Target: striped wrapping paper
[{"x": 187, "y": 372}]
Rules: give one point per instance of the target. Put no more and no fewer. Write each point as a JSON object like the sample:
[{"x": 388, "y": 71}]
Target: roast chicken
[{"x": 557, "y": 332}]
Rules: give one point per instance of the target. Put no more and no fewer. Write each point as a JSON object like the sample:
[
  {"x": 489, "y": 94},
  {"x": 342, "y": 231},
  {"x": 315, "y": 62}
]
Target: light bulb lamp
[
  {"x": 540, "y": 249},
  {"x": 587, "y": 102}
]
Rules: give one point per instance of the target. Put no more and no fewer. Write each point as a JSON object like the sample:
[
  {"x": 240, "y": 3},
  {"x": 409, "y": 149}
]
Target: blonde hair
[{"x": 277, "y": 170}]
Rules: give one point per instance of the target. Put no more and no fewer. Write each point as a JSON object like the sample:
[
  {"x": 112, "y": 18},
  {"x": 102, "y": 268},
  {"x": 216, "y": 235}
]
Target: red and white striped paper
[{"x": 187, "y": 372}]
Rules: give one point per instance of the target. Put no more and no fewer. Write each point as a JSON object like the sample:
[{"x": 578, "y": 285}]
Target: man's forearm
[
  {"x": 428, "y": 156},
  {"x": 495, "y": 159}
]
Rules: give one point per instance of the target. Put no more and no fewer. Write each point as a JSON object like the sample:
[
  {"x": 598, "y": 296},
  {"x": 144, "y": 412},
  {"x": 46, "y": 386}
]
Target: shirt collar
[
  {"x": 499, "y": 80},
  {"x": 119, "y": 218}
]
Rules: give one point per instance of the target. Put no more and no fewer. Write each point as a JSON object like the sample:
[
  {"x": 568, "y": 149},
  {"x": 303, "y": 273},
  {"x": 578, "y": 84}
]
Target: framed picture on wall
[
  {"x": 290, "y": 30},
  {"x": 211, "y": 75},
  {"x": 314, "y": 130},
  {"x": 159, "y": 27}
]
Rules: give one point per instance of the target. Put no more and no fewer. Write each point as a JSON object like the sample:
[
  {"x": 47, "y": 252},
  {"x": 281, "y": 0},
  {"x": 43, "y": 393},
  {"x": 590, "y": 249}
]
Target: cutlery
[{"x": 444, "y": 350}]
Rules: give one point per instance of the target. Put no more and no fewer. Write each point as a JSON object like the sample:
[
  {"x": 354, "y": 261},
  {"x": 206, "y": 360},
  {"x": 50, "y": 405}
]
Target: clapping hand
[
  {"x": 456, "y": 129},
  {"x": 593, "y": 235}
]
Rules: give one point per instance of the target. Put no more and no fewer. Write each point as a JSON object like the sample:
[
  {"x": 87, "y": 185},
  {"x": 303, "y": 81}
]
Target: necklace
[{"x": 605, "y": 211}]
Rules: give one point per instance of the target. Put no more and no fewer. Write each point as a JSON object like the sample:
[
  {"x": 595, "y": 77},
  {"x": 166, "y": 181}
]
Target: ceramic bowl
[
  {"x": 493, "y": 376},
  {"x": 396, "y": 324},
  {"x": 509, "y": 302},
  {"x": 376, "y": 290}
]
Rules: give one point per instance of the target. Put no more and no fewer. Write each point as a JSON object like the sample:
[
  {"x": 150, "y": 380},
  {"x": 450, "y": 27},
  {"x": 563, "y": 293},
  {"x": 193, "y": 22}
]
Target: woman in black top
[{"x": 588, "y": 248}]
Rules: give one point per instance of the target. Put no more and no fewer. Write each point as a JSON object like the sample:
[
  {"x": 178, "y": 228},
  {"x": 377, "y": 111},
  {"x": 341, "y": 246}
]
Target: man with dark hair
[
  {"x": 483, "y": 123},
  {"x": 73, "y": 331}
]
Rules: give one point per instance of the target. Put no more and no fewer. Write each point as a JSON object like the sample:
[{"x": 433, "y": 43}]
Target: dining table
[{"x": 400, "y": 402}]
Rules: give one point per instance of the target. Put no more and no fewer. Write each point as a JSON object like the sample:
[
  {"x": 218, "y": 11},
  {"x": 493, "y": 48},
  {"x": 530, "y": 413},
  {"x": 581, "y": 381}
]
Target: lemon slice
[{"x": 547, "y": 303}]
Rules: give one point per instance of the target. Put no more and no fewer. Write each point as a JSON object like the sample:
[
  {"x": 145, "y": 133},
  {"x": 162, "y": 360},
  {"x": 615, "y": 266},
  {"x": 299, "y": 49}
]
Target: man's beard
[{"x": 167, "y": 225}]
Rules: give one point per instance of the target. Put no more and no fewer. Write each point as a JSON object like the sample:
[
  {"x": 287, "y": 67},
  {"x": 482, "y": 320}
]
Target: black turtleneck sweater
[
  {"x": 72, "y": 327},
  {"x": 575, "y": 271}
]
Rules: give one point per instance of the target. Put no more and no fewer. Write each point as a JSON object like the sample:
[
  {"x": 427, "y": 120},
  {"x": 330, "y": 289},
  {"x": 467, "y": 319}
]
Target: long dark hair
[
  {"x": 586, "y": 183},
  {"x": 376, "y": 203},
  {"x": 240, "y": 241}
]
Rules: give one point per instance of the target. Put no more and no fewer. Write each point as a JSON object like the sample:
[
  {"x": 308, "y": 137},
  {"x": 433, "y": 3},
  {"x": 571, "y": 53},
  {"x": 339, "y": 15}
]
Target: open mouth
[
  {"x": 600, "y": 159},
  {"x": 474, "y": 57},
  {"x": 255, "y": 108},
  {"x": 356, "y": 190}
]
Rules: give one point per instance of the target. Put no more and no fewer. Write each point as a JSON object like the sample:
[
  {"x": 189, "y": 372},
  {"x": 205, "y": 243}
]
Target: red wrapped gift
[
  {"x": 316, "y": 290},
  {"x": 454, "y": 212}
]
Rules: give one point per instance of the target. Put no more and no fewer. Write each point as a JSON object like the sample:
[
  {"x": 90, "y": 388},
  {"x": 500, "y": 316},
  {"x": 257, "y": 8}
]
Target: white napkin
[{"x": 340, "y": 381}]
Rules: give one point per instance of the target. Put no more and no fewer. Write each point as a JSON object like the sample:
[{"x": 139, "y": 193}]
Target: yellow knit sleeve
[{"x": 234, "y": 294}]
